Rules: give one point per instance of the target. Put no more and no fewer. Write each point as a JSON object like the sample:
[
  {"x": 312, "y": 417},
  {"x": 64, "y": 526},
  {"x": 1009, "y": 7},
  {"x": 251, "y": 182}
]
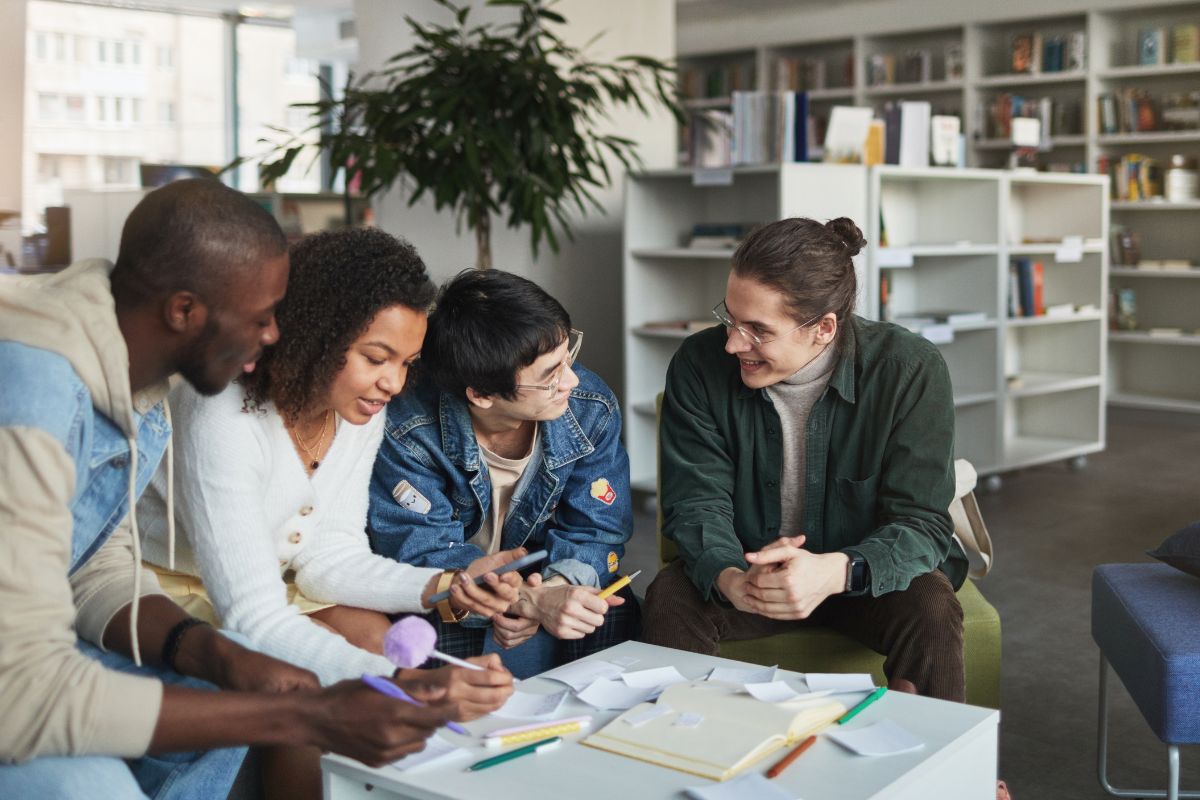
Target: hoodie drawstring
[
  {"x": 170, "y": 487},
  {"x": 137, "y": 550}
]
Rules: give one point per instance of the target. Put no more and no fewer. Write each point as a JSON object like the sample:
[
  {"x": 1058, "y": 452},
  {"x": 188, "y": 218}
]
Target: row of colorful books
[
  {"x": 1132, "y": 177},
  {"x": 1138, "y": 111},
  {"x": 1180, "y": 44},
  {"x": 1035, "y": 53},
  {"x": 1058, "y": 117},
  {"x": 915, "y": 65},
  {"x": 718, "y": 80},
  {"x": 759, "y": 128},
  {"x": 806, "y": 73}
]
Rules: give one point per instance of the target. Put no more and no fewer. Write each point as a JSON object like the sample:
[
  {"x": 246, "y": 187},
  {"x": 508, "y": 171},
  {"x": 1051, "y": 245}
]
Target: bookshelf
[
  {"x": 1145, "y": 371},
  {"x": 950, "y": 236},
  {"x": 665, "y": 280}
]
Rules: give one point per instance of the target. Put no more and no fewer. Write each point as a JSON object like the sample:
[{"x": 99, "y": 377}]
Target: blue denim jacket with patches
[
  {"x": 572, "y": 499},
  {"x": 42, "y": 390}
]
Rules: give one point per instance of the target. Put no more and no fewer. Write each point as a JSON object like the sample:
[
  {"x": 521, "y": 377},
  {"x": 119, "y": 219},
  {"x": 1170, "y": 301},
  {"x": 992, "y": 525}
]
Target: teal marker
[
  {"x": 536, "y": 747},
  {"x": 871, "y": 698}
]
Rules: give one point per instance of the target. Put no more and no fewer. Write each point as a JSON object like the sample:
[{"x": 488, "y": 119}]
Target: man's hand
[
  {"x": 787, "y": 582},
  {"x": 565, "y": 611},
  {"x": 464, "y": 694},
  {"x": 355, "y": 720},
  {"x": 245, "y": 670},
  {"x": 510, "y": 630},
  {"x": 498, "y": 591}
]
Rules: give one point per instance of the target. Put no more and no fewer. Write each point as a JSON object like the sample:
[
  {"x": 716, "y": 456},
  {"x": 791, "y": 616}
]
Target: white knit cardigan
[{"x": 249, "y": 512}]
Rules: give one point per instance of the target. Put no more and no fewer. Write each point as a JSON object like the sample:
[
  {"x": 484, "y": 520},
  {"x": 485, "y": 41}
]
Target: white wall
[
  {"x": 586, "y": 274},
  {"x": 714, "y": 25},
  {"x": 12, "y": 97}
]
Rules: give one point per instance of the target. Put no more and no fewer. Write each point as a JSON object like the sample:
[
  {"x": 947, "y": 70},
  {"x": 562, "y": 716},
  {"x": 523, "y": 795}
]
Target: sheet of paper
[
  {"x": 883, "y": 738},
  {"x": 624, "y": 661},
  {"x": 640, "y": 718},
  {"x": 742, "y": 675},
  {"x": 657, "y": 678},
  {"x": 747, "y": 786},
  {"x": 939, "y": 334},
  {"x": 527, "y": 705},
  {"x": 840, "y": 681},
  {"x": 689, "y": 720},
  {"x": 895, "y": 257},
  {"x": 773, "y": 692},
  {"x": 436, "y": 750},
  {"x": 581, "y": 674},
  {"x": 607, "y": 693},
  {"x": 1070, "y": 251}
]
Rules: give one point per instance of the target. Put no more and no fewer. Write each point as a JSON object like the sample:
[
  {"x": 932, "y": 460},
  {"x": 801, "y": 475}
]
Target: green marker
[
  {"x": 536, "y": 747},
  {"x": 871, "y": 698}
]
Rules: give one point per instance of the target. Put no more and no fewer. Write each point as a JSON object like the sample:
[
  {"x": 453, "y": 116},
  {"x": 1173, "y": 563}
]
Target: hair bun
[{"x": 850, "y": 234}]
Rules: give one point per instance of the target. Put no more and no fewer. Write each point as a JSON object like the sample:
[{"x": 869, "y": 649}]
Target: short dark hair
[
  {"x": 192, "y": 235},
  {"x": 486, "y": 326},
  {"x": 340, "y": 280},
  {"x": 809, "y": 262}
]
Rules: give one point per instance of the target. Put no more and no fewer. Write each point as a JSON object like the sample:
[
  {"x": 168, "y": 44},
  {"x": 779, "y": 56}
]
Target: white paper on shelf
[
  {"x": 658, "y": 678},
  {"x": 606, "y": 693},
  {"x": 883, "y": 738},
  {"x": 581, "y": 674},
  {"x": 747, "y": 786},
  {"x": 742, "y": 675},
  {"x": 892, "y": 257},
  {"x": 1070, "y": 251},
  {"x": 640, "y": 718},
  {"x": 712, "y": 176},
  {"x": 840, "y": 681},
  {"x": 689, "y": 719},
  {"x": 527, "y": 705},
  {"x": 436, "y": 750},
  {"x": 938, "y": 334}
]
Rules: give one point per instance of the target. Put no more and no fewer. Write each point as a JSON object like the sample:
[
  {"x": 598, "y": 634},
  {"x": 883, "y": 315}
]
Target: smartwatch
[{"x": 857, "y": 575}]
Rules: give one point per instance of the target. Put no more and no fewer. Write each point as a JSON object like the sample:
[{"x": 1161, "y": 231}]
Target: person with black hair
[
  {"x": 107, "y": 687},
  {"x": 807, "y": 469},
  {"x": 507, "y": 442}
]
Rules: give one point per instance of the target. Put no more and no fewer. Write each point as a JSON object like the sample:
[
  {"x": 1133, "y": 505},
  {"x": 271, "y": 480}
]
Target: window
[
  {"x": 74, "y": 108},
  {"x": 135, "y": 110},
  {"x": 41, "y": 45},
  {"x": 48, "y": 106},
  {"x": 60, "y": 47},
  {"x": 118, "y": 52},
  {"x": 101, "y": 109},
  {"x": 118, "y": 109},
  {"x": 101, "y": 51},
  {"x": 166, "y": 57},
  {"x": 49, "y": 167},
  {"x": 135, "y": 53},
  {"x": 166, "y": 112},
  {"x": 119, "y": 171}
]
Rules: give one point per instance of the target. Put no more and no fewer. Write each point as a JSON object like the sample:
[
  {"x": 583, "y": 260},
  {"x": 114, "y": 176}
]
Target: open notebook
[{"x": 734, "y": 731}]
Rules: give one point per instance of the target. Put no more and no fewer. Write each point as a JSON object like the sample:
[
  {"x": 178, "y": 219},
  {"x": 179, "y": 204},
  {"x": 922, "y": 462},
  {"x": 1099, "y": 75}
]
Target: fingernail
[{"x": 463, "y": 579}]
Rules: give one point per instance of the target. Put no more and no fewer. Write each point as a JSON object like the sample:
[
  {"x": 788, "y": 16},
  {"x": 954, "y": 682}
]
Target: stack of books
[
  {"x": 1132, "y": 177},
  {"x": 1036, "y": 53}
]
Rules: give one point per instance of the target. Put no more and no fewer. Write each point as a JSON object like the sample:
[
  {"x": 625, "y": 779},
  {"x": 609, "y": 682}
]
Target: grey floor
[{"x": 1050, "y": 526}]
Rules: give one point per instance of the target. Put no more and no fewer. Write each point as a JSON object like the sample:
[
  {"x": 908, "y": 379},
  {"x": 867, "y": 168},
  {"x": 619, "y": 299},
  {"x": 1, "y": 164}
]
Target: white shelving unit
[
  {"x": 955, "y": 230},
  {"x": 1027, "y": 390},
  {"x": 667, "y": 281},
  {"x": 1146, "y": 371}
]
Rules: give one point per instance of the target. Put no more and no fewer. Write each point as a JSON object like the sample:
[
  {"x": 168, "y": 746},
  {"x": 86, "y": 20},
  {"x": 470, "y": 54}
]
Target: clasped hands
[{"x": 784, "y": 580}]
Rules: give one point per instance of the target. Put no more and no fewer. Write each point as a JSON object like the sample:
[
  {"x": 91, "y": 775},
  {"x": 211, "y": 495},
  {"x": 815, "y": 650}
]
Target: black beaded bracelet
[{"x": 174, "y": 639}]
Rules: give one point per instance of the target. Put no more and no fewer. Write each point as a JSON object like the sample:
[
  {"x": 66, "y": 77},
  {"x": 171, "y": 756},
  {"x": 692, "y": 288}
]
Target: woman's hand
[
  {"x": 466, "y": 694},
  {"x": 496, "y": 594}
]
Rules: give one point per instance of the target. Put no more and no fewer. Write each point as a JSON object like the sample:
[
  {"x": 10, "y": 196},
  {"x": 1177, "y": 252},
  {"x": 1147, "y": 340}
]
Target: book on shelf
[
  {"x": 881, "y": 69},
  {"x": 1126, "y": 246},
  {"x": 952, "y": 60},
  {"x": 718, "y": 80},
  {"x": 914, "y": 133},
  {"x": 1123, "y": 309},
  {"x": 941, "y": 317},
  {"x": 945, "y": 136},
  {"x": 1132, "y": 177},
  {"x": 1022, "y": 53},
  {"x": 1026, "y": 288},
  {"x": 1134, "y": 110},
  {"x": 1058, "y": 117},
  {"x": 1185, "y": 43},
  {"x": 710, "y": 138},
  {"x": 735, "y": 730},
  {"x": 1151, "y": 46},
  {"x": 1061, "y": 310},
  {"x": 719, "y": 235},
  {"x": 1164, "y": 333},
  {"x": 1076, "y": 56},
  {"x": 917, "y": 66}
]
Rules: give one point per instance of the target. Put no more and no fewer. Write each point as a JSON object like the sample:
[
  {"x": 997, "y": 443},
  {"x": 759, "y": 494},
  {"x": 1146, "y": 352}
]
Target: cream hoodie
[{"x": 53, "y": 699}]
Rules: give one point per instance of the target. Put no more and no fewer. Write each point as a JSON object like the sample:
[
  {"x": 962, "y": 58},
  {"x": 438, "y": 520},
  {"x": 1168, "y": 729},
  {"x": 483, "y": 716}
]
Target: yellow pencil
[{"x": 617, "y": 585}]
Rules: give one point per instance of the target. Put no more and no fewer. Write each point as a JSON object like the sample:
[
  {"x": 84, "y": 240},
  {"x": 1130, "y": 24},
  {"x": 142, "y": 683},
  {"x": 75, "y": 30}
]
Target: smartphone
[{"x": 520, "y": 563}]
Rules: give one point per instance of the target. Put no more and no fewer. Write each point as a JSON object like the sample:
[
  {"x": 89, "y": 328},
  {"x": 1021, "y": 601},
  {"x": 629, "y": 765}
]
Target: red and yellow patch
[
  {"x": 613, "y": 561},
  {"x": 602, "y": 490}
]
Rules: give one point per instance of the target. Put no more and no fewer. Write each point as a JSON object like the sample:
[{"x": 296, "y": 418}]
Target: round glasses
[
  {"x": 722, "y": 314},
  {"x": 574, "y": 343}
]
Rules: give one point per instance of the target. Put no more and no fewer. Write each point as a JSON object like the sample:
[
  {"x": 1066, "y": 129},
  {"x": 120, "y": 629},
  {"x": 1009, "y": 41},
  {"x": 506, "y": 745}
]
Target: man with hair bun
[{"x": 807, "y": 468}]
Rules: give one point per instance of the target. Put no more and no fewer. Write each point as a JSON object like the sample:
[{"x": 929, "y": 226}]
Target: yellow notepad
[{"x": 736, "y": 732}]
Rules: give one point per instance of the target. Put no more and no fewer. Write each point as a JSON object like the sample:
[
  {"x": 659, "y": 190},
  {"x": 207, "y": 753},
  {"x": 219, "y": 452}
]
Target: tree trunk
[{"x": 483, "y": 241}]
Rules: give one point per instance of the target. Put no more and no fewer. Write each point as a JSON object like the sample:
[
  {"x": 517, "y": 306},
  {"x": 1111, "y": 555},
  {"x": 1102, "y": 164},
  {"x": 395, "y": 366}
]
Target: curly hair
[{"x": 339, "y": 281}]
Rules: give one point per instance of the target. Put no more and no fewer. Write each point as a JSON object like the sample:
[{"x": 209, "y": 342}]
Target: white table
[{"x": 959, "y": 759}]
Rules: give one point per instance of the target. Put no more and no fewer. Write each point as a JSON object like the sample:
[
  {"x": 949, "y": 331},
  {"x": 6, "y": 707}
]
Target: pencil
[
  {"x": 786, "y": 761},
  {"x": 617, "y": 585}
]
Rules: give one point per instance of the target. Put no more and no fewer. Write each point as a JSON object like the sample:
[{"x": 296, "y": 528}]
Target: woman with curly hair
[{"x": 272, "y": 474}]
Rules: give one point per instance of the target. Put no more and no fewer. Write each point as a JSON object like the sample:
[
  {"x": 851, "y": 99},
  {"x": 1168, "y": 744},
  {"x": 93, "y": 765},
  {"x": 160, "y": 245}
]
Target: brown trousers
[{"x": 919, "y": 630}]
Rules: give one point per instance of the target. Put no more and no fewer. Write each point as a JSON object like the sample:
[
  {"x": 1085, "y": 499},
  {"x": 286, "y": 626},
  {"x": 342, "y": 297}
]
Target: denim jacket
[
  {"x": 98, "y": 448},
  {"x": 572, "y": 500}
]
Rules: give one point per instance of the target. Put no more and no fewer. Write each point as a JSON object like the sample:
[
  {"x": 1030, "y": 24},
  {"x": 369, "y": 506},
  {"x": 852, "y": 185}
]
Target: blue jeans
[{"x": 172, "y": 776}]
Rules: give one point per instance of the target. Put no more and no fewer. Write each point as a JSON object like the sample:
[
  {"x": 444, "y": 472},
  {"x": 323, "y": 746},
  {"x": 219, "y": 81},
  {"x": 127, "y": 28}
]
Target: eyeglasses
[
  {"x": 574, "y": 343},
  {"x": 722, "y": 314}
]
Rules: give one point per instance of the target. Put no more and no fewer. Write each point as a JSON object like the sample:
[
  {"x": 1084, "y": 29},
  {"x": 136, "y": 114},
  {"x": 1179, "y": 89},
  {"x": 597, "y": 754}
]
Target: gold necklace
[{"x": 312, "y": 451}]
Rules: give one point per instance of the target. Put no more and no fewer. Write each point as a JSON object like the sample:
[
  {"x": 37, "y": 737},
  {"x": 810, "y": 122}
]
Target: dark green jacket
[{"x": 880, "y": 459}]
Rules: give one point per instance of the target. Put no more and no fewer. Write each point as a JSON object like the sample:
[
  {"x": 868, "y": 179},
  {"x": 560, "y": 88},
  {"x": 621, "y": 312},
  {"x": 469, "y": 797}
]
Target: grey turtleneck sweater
[{"x": 794, "y": 399}]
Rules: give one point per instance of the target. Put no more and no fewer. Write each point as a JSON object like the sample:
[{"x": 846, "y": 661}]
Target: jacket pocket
[{"x": 856, "y": 514}]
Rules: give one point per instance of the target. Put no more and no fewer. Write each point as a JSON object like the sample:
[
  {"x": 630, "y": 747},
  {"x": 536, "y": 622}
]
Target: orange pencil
[{"x": 786, "y": 761}]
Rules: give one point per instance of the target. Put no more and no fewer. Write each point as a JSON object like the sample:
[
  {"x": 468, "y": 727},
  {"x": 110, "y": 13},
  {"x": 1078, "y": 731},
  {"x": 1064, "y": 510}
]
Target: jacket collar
[{"x": 562, "y": 440}]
